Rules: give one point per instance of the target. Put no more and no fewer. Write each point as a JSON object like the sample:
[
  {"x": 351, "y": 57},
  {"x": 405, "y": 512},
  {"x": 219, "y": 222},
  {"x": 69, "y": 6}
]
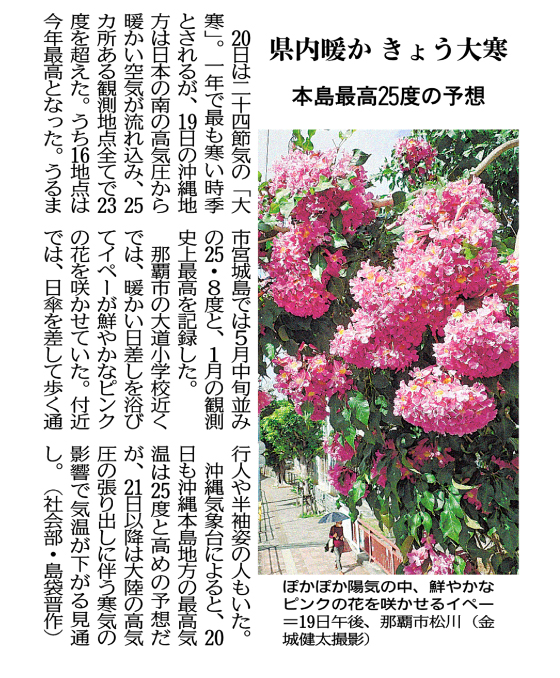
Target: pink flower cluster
[
  {"x": 502, "y": 463},
  {"x": 428, "y": 560},
  {"x": 445, "y": 255},
  {"x": 301, "y": 171},
  {"x": 387, "y": 326},
  {"x": 312, "y": 379},
  {"x": 471, "y": 497},
  {"x": 388, "y": 449},
  {"x": 415, "y": 155},
  {"x": 339, "y": 449},
  {"x": 424, "y": 451},
  {"x": 342, "y": 478},
  {"x": 264, "y": 400},
  {"x": 305, "y": 175},
  {"x": 479, "y": 343},
  {"x": 445, "y": 259},
  {"x": 293, "y": 285},
  {"x": 438, "y": 401},
  {"x": 418, "y": 455}
]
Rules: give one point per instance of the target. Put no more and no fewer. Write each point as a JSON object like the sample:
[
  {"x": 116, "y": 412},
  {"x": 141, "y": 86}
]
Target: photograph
[
  {"x": 388, "y": 352},
  {"x": 269, "y": 385}
]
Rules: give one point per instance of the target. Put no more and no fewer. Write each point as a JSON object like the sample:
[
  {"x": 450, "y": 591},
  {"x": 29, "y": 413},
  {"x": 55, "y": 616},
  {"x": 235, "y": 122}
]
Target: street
[{"x": 291, "y": 545}]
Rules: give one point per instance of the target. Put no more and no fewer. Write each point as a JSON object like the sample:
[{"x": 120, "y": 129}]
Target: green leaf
[
  {"x": 346, "y": 134},
  {"x": 339, "y": 240},
  {"x": 337, "y": 287},
  {"x": 509, "y": 536},
  {"x": 269, "y": 350},
  {"x": 440, "y": 499},
  {"x": 286, "y": 207},
  {"x": 323, "y": 184},
  {"x": 399, "y": 197},
  {"x": 414, "y": 522},
  {"x": 360, "y": 406},
  {"x": 297, "y": 137},
  {"x": 281, "y": 194},
  {"x": 318, "y": 265},
  {"x": 266, "y": 318},
  {"x": 359, "y": 157},
  {"x": 380, "y": 381},
  {"x": 450, "y": 525},
  {"x": 472, "y": 523},
  {"x": 345, "y": 184},
  {"x": 458, "y": 486},
  {"x": 400, "y": 530},
  {"x": 282, "y": 333},
  {"x": 427, "y": 499},
  {"x": 407, "y": 545},
  {"x": 307, "y": 409},
  {"x": 394, "y": 505},
  {"x": 350, "y": 435},
  {"x": 445, "y": 475},
  {"x": 426, "y": 521},
  {"x": 307, "y": 145},
  {"x": 459, "y": 565},
  {"x": 454, "y": 505},
  {"x": 500, "y": 495},
  {"x": 393, "y": 475},
  {"x": 358, "y": 490},
  {"x": 485, "y": 495},
  {"x": 469, "y": 251},
  {"x": 392, "y": 419}
]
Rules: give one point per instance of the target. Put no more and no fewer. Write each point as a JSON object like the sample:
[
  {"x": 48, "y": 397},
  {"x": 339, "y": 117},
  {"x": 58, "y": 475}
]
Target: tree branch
[
  {"x": 512, "y": 143},
  {"x": 385, "y": 202},
  {"x": 270, "y": 237}
]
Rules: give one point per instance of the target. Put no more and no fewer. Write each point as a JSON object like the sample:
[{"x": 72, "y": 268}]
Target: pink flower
[
  {"x": 339, "y": 449},
  {"x": 415, "y": 156},
  {"x": 430, "y": 274},
  {"x": 471, "y": 497},
  {"x": 502, "y": 463},
  {"x": 342, "y": 478},
  {"x": 312, "y": 379},
  {"x": 323, "y": 187},
  {"x": 429, "y": 558},
  {"x": 424, "y": 451},
  {"x": 438, "y": 401},
  {"x": 479, "y": 343},
  {"x": 264, "y": 400}
]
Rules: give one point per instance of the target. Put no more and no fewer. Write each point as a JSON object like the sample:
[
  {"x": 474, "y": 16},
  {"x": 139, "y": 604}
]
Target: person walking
[{"x": 337, "y": 536}]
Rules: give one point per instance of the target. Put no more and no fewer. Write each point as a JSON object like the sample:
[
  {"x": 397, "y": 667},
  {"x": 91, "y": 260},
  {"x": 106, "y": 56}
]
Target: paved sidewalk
[{"x": 292, "y": 545}]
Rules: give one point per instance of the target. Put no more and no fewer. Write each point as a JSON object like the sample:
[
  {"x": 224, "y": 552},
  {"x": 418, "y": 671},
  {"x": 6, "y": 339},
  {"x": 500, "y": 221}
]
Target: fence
[{"x": 379, "y": 548}]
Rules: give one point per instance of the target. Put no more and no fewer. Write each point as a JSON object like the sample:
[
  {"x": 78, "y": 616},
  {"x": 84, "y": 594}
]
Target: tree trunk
[
  {"x": 282, "y": 473},
  {"x": 308, "y": 498}
]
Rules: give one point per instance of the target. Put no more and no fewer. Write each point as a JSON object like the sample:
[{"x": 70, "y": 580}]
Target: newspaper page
[{"x": 261, "y": 400}]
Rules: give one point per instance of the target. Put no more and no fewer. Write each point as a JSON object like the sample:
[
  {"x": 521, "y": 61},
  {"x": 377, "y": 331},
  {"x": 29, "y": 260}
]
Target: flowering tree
[{"x": 396, "y": 318}]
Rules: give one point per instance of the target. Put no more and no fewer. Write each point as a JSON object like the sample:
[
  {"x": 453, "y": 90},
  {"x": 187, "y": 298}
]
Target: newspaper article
[{"x": 264, "y": 379}]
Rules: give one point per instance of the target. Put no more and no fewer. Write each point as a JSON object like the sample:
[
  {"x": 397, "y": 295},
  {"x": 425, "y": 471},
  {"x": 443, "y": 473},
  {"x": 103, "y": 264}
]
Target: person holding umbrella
[{"x": 337, "y": 535}]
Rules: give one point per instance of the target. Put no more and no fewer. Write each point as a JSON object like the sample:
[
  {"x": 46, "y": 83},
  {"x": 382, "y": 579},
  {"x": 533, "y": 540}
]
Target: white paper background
[{"x": 521, "y": 92}]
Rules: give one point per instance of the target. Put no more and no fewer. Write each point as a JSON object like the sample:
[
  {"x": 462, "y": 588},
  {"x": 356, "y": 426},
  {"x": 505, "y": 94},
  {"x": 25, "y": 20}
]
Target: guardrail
[{"x": 380, "y": 549}]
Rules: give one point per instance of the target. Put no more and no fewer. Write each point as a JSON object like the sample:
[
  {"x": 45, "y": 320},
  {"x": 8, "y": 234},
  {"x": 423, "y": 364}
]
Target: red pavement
[{"x": 291, "y": 545}]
